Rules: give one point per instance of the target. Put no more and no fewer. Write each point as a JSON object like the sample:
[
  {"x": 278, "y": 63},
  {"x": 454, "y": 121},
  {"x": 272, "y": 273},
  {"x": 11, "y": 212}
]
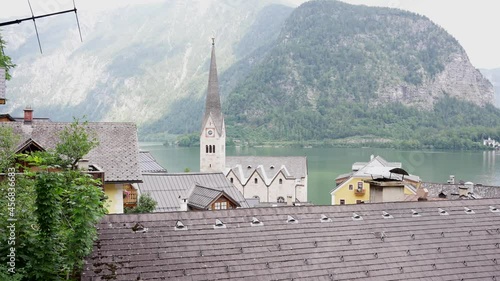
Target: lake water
[{"x": 325, "y": 164}]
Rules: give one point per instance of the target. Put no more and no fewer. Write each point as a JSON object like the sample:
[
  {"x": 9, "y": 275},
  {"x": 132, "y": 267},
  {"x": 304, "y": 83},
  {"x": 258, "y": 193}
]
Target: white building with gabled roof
[{"x": 270, "y": 179}]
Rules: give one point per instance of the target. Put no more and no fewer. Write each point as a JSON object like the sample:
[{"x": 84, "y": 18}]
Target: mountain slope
[
  {"x": 494, "y": 76},
  {"x": 336, "y": 66},
  {"x": 144, "y": 63}
]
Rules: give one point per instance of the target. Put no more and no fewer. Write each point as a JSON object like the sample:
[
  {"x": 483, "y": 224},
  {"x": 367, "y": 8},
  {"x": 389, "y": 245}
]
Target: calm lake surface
[{"x": 325, "y": 164}]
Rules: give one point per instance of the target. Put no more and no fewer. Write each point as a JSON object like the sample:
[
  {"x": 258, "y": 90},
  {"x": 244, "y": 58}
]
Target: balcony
[{"x": 359, "y": 191}]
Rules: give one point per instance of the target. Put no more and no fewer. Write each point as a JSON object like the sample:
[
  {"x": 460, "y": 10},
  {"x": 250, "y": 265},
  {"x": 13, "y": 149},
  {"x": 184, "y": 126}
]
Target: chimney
[
  {"x": 289, "y": 201},
  {"x": 451, "y": 180},
  {"x": 28, "y": 114},
  {"x": 83, "y": 164},
  {"x": 183, "y": 203},
  {"x": 463, "y": 190},
  {"x": 422, "y": 194}
]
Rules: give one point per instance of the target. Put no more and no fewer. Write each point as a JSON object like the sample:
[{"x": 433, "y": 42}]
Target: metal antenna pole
[
  {"x": 36, "y": 29},
  {"x": 77, "y": 21}
]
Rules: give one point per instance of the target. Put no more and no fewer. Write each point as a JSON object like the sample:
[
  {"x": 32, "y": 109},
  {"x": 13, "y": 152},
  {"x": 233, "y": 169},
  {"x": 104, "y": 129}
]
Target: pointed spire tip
[{"x": 213, "y": 41}]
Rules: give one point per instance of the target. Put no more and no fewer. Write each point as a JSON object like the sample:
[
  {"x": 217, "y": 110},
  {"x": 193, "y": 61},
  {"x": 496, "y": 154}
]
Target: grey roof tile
[
  {"x": 116, "y": 154},
  {"x": 148, "y": 163},
  {"x": 168, "y": 188},
  {"x": 282, "y": 251}
]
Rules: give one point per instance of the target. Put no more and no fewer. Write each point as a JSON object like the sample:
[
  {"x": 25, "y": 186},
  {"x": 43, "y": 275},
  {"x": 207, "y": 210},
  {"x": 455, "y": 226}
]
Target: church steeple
[
  {"x": 213, "y": 131},
  {"x": 213, "y": 105}
]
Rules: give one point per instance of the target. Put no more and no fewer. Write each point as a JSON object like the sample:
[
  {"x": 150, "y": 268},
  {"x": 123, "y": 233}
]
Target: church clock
[{"x": 210, "y": 132}]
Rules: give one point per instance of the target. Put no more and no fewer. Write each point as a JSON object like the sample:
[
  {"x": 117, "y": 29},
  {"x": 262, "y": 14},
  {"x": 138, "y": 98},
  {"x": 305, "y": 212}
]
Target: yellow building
[{"x": 354, "y": 187}]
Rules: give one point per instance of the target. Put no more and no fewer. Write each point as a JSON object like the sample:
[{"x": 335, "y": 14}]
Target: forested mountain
[
  {"x": 494, "y": 76},
  {"x": 324, "y": 70},
  {"x": 339, "y": 71}
]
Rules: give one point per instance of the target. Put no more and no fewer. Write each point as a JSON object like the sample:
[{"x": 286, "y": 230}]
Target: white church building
[{"x": 270, "y": 179}]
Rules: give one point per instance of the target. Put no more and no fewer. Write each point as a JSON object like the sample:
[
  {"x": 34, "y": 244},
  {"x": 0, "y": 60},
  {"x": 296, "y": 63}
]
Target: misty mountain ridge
[{"x": 149, "y": 64}]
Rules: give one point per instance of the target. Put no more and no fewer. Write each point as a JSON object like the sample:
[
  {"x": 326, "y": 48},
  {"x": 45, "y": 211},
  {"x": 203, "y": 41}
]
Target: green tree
[
  {"x": 146, "y": 204},
  {"x": 7, "y": 145},
  {"x": 75, "y": 143},
  {"x": 5, "y": 61},
  {"x": 56, "y": 209}
]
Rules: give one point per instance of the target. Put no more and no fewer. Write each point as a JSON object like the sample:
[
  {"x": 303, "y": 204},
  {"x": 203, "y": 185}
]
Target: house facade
[
  {"x": 269, "y": 179},
  {"x": 2, "y": 85},
  {"x": 116, "y": 156},
  {"x": 354, "y": 187}
]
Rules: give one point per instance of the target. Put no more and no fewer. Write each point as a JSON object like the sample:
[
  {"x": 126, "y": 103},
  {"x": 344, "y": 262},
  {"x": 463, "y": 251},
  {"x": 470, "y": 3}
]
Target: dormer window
[
  {"x": 272, "y": 167},
  {"x": 255, "y": 180},
  {"x": 249, "y": 167},
  {"x": 280, "y": 199}
]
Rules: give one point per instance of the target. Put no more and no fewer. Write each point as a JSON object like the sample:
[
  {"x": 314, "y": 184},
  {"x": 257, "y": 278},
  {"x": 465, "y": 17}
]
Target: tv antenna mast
[{"x": 34, "y": 18}]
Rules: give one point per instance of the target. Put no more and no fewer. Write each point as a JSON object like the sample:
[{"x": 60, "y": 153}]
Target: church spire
[{"x": 213, "y": 105}]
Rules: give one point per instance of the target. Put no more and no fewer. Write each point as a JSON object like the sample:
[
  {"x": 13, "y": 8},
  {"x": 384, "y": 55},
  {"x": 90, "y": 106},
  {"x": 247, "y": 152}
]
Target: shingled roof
[
  {"x": 435, "y": 240},
  {"x": 116, "y": 153},
  {"x": 168, "y": 188},
  {"x": 148, "y": 163},
  {"x": 202, "y": 197}
]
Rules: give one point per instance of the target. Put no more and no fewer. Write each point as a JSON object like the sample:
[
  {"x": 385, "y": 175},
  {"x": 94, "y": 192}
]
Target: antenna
[
  {"x": 77, "y": 21},
  {"x": 36, "y": 29},
  {"x": 33, "y": 18}
]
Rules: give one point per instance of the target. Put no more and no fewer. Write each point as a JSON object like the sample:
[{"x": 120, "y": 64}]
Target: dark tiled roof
[
  {"x": 116, "y": 154},
  {"x": 2, "y": 83},
  {"x": 166, "y": 189},
  {"x": 212, "y": 104},
  {"x": 201, "y": 197},
  {"x": 403, "y": 246},
  {"x": 148, "y": 163},
  {"x": 452, "y": 190},
  {"x": 268, "y": 167}
]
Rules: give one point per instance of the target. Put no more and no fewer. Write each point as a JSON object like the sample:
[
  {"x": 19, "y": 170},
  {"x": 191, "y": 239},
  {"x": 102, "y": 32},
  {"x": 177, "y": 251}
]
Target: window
[
  {"x": 360, "y": 186},
  {"x": 255, "y": 180},
  {"x": 231, "y": 180},
  {"x": 213, "y": 150},
  {"x": 281, "y": 199},
  {"x": 217, "y": 205},
  {"x": 360, "y": 201},
  {"x": 342, "y": 202},
  {"x": 223, "y": 205},
  {"x": 281, "y": 181},
  {"x": 210, "y": 148},
  {"x": 351, "y": 187},
  {"x": 206, "y": 148}
]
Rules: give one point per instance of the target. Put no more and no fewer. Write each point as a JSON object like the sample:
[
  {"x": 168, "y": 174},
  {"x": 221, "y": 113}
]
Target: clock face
[{"x": 210, "y": 132}]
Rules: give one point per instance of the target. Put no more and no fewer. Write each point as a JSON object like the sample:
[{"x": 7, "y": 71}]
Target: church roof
[
  {"x": 414, "y": 241},
  {"x": 267, "y": 167},
  {"x": 212, "y": 104}
]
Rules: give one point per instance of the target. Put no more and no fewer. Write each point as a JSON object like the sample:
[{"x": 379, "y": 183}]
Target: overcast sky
[{"x": 474, "y": 23}]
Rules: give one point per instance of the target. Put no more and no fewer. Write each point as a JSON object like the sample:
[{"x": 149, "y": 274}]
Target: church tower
[{"x": 213, "y": 130}]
